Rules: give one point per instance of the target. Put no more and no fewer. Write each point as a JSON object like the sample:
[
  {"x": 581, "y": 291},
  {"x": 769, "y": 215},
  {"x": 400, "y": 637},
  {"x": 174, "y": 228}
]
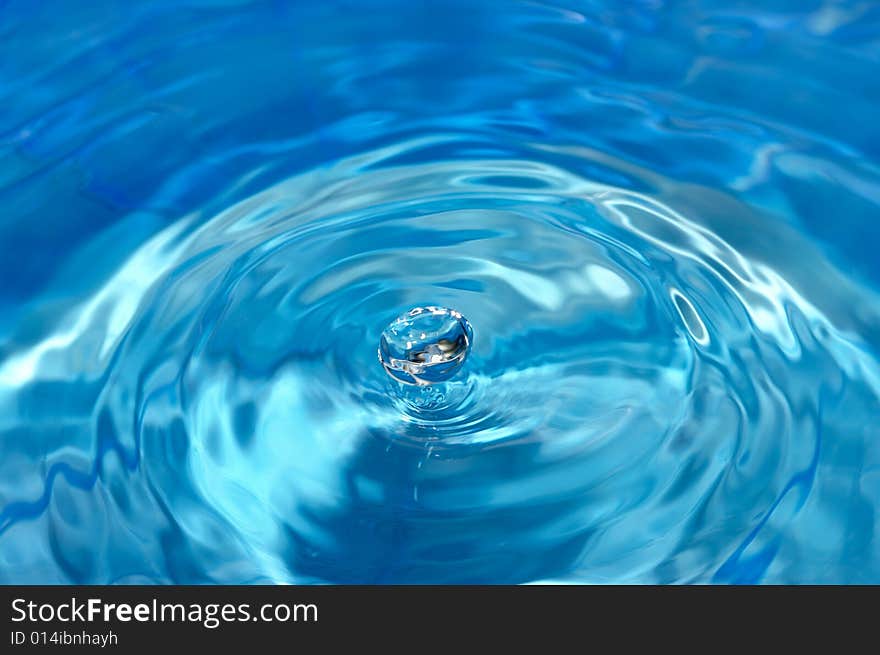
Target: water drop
[{"x": 426, "y": 345}]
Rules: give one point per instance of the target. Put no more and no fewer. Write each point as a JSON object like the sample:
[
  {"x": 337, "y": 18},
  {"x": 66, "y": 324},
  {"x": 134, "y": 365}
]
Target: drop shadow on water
[{"x": 408, "y": 515}]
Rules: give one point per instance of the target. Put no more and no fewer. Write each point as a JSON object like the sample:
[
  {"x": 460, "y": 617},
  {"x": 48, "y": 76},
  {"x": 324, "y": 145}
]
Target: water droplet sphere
[{"x": 426, "y": 345}]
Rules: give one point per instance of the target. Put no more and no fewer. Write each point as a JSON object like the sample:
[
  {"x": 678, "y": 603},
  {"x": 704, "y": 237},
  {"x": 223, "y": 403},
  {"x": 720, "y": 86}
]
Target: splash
[{"x": 426, "y": 345}]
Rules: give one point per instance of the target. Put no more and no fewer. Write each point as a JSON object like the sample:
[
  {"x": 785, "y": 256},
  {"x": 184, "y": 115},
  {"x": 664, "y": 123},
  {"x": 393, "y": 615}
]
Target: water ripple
[{"x": 674, "y": 374}]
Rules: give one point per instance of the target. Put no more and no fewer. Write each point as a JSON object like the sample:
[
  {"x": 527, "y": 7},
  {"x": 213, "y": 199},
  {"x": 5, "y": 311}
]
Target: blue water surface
[{"x": 660, "y": 219}]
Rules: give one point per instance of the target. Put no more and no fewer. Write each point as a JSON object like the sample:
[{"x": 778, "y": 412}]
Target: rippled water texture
[{"x": 660, "y": 220}]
